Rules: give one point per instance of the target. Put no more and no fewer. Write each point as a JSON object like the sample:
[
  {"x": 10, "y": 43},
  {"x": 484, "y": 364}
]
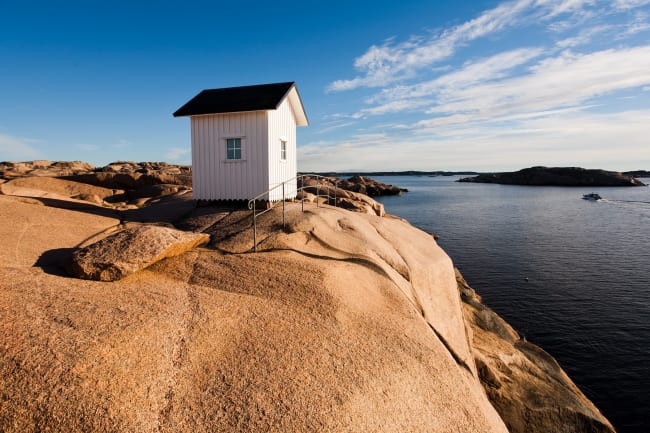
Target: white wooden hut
[{"x": 244, "y": 141}]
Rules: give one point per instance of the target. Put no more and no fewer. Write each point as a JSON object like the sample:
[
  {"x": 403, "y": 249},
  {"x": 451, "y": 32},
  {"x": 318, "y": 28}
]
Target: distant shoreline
[
  {"x": 557, "y": 176},
  {"x": 395, "y": 173}
]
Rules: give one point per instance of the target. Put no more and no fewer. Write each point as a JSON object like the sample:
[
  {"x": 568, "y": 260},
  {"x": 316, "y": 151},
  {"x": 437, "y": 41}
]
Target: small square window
[
  {"x": 233, "y": 148},
  {"x": 283, "y": 150}
]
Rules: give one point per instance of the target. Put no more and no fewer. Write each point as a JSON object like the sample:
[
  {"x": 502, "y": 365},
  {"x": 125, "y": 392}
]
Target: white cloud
[
  {"x": 122, "y": 144},
  {"x": 583, "y": 37},
  {"x": 400, "y": 98},
  {"x": 390, "y": 62},
  {"x": 639, "y": 24},
  {"x": 555, "y": 8},
  {"x": 560, "y": 138},
  {"x": 87, "y": 147},
  {"x": 527, "y": 103},
  {"x": 14, "y": 148},
  {"x": 392, "y": 107},
  {"x": 338, "y": 124},
  {"x": 176, "y": 154},
  {"x": 563, "y": 81},
  {"x": 630, "y": 4}
]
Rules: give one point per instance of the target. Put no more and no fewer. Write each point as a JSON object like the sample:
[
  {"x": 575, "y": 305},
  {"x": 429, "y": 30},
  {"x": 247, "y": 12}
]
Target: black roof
[{"x": 236, "y": 99}]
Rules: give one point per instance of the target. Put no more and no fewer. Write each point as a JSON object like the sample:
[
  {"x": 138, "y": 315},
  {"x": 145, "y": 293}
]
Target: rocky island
[
  {"x": 125, "y": 307},
  {"x": 638, "y": 173},
  {"x": 557, "y": 176}
]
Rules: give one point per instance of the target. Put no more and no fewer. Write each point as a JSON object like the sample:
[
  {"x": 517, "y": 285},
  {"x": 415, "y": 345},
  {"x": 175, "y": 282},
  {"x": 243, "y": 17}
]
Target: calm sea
[{"x": 571, "y": 275}]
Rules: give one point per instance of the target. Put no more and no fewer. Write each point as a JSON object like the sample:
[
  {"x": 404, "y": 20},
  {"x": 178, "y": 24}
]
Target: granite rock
[{"x": 131, "y": 250}]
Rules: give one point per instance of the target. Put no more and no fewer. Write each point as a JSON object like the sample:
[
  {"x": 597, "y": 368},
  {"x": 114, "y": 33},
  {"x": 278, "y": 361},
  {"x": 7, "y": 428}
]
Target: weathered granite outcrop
[
  {"x": 208, "y": 340},
  {"x": 349, "y": 200},
  {"x": 360, "y": 184},
  {"x": 371, "y": 187},
  {"x": 353, "y": 194},
  {"x": 525, "y": 384},
  {"x": 131, "y": 250},
  {"x": 344, "y": 322},
  {"x": 135, "y": 175},
  {"x": 44, "y": 186},
  {"x": 121, "y": 185},
  {"x": 557, "y": 176},
  {"x": 44, "y": 168}
]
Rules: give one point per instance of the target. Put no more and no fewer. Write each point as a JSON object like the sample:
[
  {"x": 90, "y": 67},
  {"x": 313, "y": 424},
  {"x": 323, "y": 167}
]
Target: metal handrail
[{"x": 252, "y": 202}]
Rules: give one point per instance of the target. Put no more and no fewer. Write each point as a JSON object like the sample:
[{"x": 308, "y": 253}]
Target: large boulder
[{"x": 130, "y": 250}]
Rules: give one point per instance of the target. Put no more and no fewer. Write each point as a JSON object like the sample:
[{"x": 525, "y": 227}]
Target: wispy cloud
[
  {"x": 639, "y": 24},
  {"x": 14, "y": 148},
  {"x": 564, "y": 137},
  {"x": 630, "y": 4},
  {"x": 122, "y": 144},
  {"x": 389, "y": 62},
  {"x": 507, "y": 82},
  {"x": 334, "y": 125},
  {"x": 87, "y": 147},
  {"x": 422, "y": 94},
  {"x": 393, "y": 61},
  {"x": 563, "y": 81},
  {"x": 176, "y": 154},
  {"x": 575, "y": 61},
  {"x": 583, "y": 37}
]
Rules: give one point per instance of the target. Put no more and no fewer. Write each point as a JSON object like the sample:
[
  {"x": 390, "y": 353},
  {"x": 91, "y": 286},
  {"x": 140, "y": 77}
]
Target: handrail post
[
  {"x": 283, "y": 201},
  {"x": 254, "y": 227}
]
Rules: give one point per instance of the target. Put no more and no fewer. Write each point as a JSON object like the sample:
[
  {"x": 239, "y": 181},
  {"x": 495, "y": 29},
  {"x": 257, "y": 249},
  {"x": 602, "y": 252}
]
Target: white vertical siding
[
  {"x": 213, "y": 177},
  {"x": 282, "y": 125}
]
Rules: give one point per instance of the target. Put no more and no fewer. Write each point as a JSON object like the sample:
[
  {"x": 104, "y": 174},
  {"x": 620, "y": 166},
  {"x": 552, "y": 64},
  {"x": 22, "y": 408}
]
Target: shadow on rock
[{"x": 53, "y": 261}]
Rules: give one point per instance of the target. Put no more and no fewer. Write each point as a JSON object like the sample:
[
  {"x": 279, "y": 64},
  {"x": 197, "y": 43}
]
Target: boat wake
[{"x": 626, "y": 201}]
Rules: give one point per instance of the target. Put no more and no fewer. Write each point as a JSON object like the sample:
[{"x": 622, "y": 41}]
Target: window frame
[
  {"x": 237, "y": 145},
  {"x": 283, "y": 150}
]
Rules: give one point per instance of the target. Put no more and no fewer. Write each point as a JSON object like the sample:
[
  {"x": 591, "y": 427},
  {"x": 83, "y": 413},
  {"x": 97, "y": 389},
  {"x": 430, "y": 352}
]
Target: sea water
[{"x": 571, "y": 275}]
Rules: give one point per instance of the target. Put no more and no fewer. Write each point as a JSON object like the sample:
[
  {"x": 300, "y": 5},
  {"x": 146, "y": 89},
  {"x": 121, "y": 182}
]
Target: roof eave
[
  {"x": 223, "y": 112},
  {"x": 296, "y": 105}
]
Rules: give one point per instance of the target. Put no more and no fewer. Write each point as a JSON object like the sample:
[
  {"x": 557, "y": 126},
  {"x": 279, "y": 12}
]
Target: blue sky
[{"x": 408, "y": 85}]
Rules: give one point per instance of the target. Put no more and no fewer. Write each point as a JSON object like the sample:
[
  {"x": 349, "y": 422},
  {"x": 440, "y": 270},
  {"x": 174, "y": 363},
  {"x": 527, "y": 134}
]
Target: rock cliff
[{"x": 342, "y": 322}]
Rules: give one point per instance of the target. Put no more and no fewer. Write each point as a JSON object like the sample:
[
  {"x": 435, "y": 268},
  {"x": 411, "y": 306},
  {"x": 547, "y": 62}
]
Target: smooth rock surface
[
  {"x": 39, "y": 186},
  {"x": 32, "y": 233},
  {"x": 211, "y": 341},
  {"x": 131, "y": 250},
  {"x": 344, "y": 322}
]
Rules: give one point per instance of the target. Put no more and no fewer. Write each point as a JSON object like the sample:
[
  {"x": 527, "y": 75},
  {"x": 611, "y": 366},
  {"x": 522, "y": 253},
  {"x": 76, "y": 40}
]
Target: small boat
[{"x": 592, "y": 196}]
